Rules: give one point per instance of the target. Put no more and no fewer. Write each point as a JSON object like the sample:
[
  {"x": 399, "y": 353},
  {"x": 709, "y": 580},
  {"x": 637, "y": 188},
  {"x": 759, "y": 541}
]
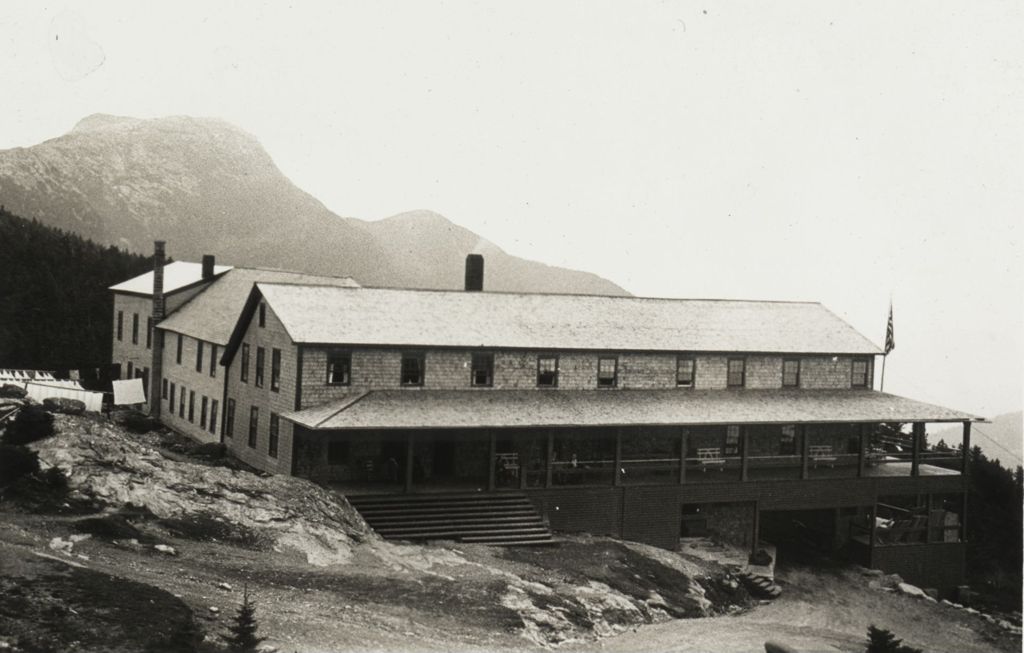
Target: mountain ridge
[{"x": 208, "y": 187}]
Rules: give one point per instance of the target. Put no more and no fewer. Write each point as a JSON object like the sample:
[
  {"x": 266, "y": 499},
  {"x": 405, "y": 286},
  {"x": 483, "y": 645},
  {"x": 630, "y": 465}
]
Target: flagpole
[{"x": 881, "y": 387}]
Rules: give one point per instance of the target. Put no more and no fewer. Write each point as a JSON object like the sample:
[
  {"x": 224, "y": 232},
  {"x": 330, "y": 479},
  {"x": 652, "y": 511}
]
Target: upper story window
[
  {"x": 275, "y": 370},
  {"x": 135, "y": 328},
  {"x": 859, "y": 373},
  {"x": 149, "y": 333},
  {"x": 245, "y": 363},
  {"x": 339, "y": 368},
  {"x": 181, "y": 346},
  {"x": 482, "y": 370},
  {"x": 413, "y": 365},
  {"x": 547, "y": 371},
  {"x": 791, "y": 373},
  {"x": 199, "y": 355},
  {"x": 213, "y": 360},
  {"x": 120, "y": 325},
  {"x": 261, "y": 354},
  {"x": 263, "y": 315},
  {"x": 737, "y": 372},
  {"x": 607, "y": 372},
  {"x": 685, "y": 371}
]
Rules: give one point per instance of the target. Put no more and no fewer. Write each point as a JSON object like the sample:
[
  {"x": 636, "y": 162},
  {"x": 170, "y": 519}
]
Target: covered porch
[{"x": 440, "y": 441}]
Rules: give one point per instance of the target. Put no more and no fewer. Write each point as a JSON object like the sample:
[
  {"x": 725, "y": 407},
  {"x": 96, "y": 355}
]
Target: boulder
[
  {"x": 911, "y": 590},
  {"x": 64, "y": 405},
  {"x": 11, "y": 391}
]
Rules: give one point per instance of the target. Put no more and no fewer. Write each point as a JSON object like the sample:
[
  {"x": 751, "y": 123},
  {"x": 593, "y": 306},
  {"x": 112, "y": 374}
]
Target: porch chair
[{"x": 710, "y": 457}]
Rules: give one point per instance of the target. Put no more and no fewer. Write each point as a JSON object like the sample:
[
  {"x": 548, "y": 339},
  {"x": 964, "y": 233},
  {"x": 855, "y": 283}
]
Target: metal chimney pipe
[
  {"x": 159, "y": 313},
  {"x": 208, "y": 262}
]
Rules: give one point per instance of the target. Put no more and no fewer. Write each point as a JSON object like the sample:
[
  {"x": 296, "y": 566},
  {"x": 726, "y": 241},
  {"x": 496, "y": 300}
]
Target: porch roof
[{"x": 413, "y": 409}]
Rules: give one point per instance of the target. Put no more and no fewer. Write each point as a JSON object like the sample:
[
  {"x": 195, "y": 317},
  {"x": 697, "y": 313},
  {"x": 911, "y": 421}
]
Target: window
[
  {"x": 202, "y": 412},
  {"x": 787, "y": 440},
  {"x": 547, "y": 371},
  {"x": 192, "y": 405},
  {"x": 229, "y": 419},
  {"x": 685, "y": 371},
  {"x": 199, "y": 356},
  {"x": 149, "y": 333},
  {"x": 263, "y": 315},
  {"x": 181, "y": 344},
  {"x": 181, "y": 402},
  {"x": 791, "y": 373},
  {"x": 254, "y": 420},
  {"x": 170, "y": 400},
  {"x": 145, "y": 380},
  {"x": 260, "y": 355},
  {"x": 339, "y": 368},
  {"x": 337, "y": 452},
  {"x": 163, "y": 389},
  {"x": 482, "y": 373},
  {"x": 213, "y": 360},
  {"x": 275, "y": 370},
  {"x": 213, "y": 416},
  {"x": 732, "y": 441},
  {"x": 245, "y": 362},
  {"x": 120, "y": 325},
  {"x": 412, "y": 368},
  {"x": 135, "y": 328},
  {"x": 275, "y": 426},
  {"x": 607, "y": 372},
  {"x": 859, "y": 373},
  {"x": 131, "y": 374},
  {"x": 737, "y": 372}
]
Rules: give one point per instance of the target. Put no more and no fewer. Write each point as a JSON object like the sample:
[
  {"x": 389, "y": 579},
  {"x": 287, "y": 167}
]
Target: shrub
[
  {"x": 881, "y": 640},
  {"x": 16, "y": 462},
  {"x": 31, "y": 423}
]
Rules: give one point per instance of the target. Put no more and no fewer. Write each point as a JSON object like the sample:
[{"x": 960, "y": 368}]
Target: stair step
[
  {"x": 429, "y": 510},
  {"x": 428, "y": 505},
  {"x": 415, "y": 498},
  {"x": 443, "y": 534},
  {"x": 391, "y": 525}
]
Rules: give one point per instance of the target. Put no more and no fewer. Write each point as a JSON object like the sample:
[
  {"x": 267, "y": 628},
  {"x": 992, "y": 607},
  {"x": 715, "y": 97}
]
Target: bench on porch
[
  {"x": 710, "y": 457},
  {"x": 821, "y": 453}
]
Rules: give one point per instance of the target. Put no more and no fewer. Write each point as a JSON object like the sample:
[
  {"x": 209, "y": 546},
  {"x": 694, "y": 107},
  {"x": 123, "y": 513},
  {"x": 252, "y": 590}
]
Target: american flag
[{"x": 890, "y": 341}]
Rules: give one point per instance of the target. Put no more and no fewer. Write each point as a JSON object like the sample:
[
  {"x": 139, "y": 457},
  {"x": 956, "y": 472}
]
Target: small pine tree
[
  {"x": 881, "y": 640},
  {"x": 243, "y": 638}
]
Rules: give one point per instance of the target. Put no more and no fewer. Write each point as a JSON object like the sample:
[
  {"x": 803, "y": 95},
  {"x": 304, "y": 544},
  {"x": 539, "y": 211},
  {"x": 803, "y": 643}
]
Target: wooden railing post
[
  {"x": 492, "y": 459},
  {"x": 409, "y": 440},
  {"x": 682, "y": 455},
  {"x": 744, "y": 453},
  {"x": 549, "y": 467},
  {"x": 617, "y": 478},
  {"x": 862, "y": 451},
  {"x": 917, "y": 434},
  {"x": 805, "y": 452}
]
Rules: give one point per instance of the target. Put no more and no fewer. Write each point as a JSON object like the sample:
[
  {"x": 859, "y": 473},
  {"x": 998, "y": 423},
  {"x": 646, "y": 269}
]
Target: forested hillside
[{"x": 55, "y": 309}]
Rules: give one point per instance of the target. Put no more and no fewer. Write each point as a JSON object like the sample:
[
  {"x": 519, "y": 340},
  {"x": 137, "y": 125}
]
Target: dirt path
[{"x": 823, "y": 611}]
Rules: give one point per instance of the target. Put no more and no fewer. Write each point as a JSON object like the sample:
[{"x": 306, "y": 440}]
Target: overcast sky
[{"x": 834, "y": 151}]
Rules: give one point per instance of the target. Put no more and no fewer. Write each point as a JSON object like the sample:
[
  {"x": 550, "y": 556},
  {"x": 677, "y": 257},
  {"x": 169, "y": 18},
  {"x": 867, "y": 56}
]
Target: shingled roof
[
  {"x": 430, "y": 318},
  {"x": 388, "y": 409},
  {"x": 178, "y": 275},
  {"x": 211, "y": 315}
]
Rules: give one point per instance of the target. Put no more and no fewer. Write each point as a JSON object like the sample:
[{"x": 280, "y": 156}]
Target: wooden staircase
[{"x": 498, "y": 519}]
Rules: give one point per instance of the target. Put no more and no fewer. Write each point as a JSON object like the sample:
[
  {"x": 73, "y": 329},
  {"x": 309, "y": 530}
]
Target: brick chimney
[
  {"x": 474, "y": 273},
  {"x": 159, "y": 313},
  {"x": 208, "y": 261}
]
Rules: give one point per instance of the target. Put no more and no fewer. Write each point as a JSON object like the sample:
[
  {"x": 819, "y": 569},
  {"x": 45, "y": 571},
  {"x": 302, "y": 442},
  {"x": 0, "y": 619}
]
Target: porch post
[
  {"x": 965, "y": 463},
  {"x": 744, "y": 454},
  {"x": 757, "y": 527},
  {"x": 409, "y": 440},
  {"x": 915, "y": 458},
  {"x": 928, "y": 533},
  {"x": 862, "y": 451},
  {"x": 492, "y": 460},
  {"x": 682, "y": 455},
  {"x": 550, "y": 458},
  {"x": 805, "y": 451},
  {"x": 617, "y": 478},
  {"x": 874, "y": 524}
]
